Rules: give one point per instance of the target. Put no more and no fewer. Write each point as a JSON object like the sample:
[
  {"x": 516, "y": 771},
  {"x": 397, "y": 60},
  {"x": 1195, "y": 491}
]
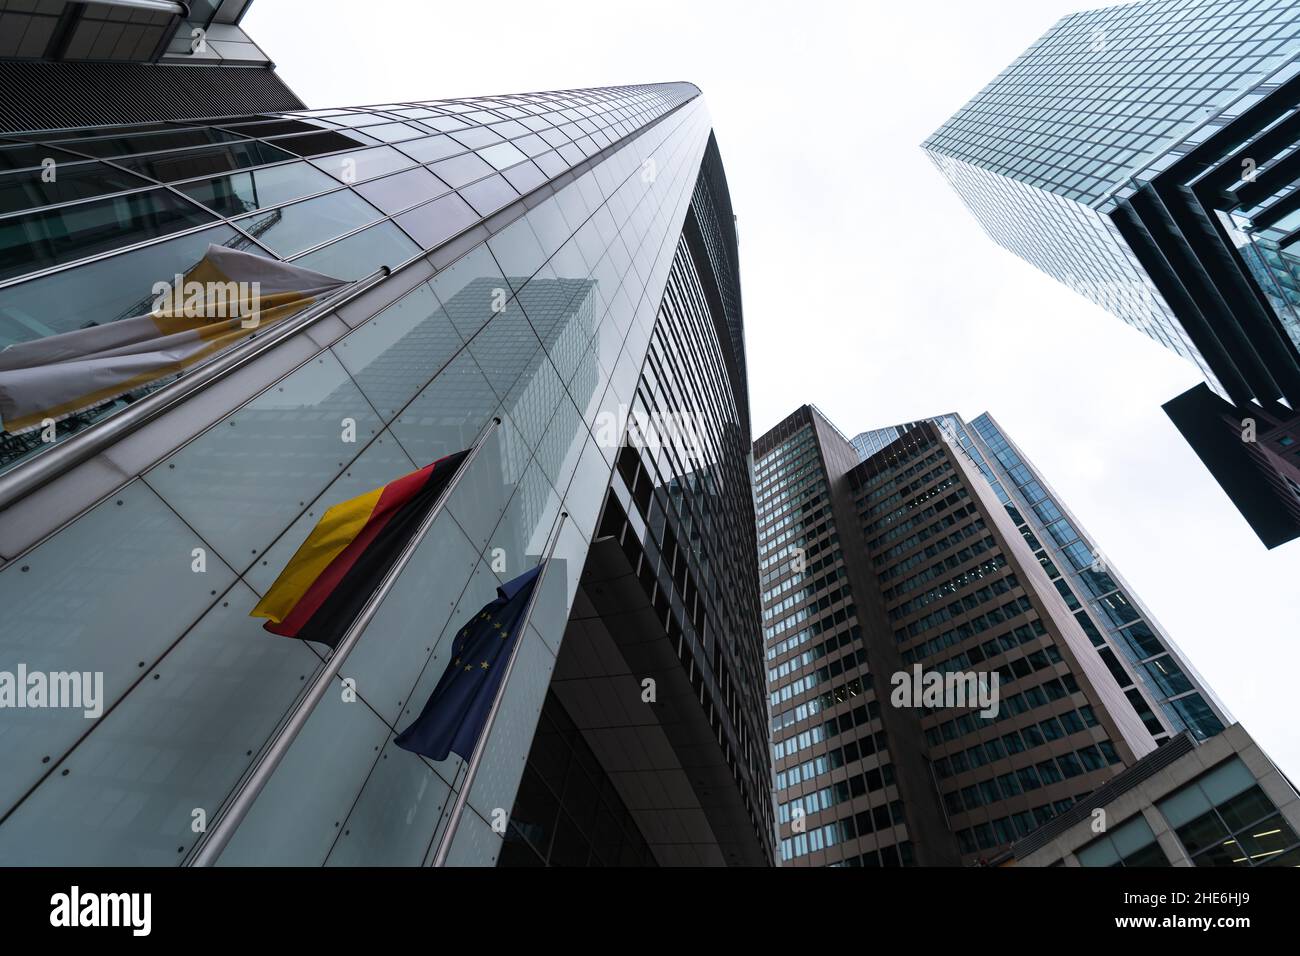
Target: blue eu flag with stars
[{"x": 458, "y": 707}]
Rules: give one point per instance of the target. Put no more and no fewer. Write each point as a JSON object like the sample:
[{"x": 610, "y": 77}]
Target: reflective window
[
  {"x": 41, "y": 239},
  {"x": 404, "y": 190},
  {"x": 360, "y": 254},
  {"x": 437, "y": 221},
  {"x": 208, "y": 161},
  {"x": 432, "y": 148},
  {"x": 460, "y": 170},
  {"x": 113, "y": 146},
  {"x": 289, "y": 230},
  {"x": 99, "y": 292},
  {"x": 243, "y": 192},
  {"x": 33, "y": 188},
  {"x": 363, "y": 164}
]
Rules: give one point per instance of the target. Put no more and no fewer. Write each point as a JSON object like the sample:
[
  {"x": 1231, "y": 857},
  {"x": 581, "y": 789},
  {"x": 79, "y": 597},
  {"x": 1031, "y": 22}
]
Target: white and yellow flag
[{"x": 227, "y": 296}]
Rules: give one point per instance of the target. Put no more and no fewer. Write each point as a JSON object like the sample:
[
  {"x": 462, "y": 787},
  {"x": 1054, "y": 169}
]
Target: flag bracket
[{"x": 255, "y": 780}]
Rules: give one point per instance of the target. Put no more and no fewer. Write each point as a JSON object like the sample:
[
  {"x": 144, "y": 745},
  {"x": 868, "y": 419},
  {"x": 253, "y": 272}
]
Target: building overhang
[{"x": 663, "y": 757}]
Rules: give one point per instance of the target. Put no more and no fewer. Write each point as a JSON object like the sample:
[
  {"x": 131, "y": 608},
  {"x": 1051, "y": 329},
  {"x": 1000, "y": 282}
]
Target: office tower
[
  {"x": 905, "y": 553},
  {"x": 1143, "y": 155},
  {"x": 1219, "y": 802},
  {"x": 1161, "y": 685},
  {"x": 549, "y": 279}
]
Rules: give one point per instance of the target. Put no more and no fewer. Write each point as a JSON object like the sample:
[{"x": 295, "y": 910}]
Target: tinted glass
[
  {"x": 31, "y": 189},
  {"x": 42, "y": 239}
]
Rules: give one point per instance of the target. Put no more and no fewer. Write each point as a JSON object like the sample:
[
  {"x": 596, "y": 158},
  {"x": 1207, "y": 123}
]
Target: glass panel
[
  {"x": 394, "y": 193},
  {"x": 1267, "y": 838},
  {"x": 502, "y": 155},
  {"x": 489, "y": 195},
  {"x": 429, "y": 149},
  {"x": 29, "y": 190},
  {"x": 42, "y": 239},
  {"x": 1227, "y": 780},
  {"x": 209, "y": 161},
  {"x": 102, "y": 291},
  {"x": 113, "y": 146},
  {"x": 468, "y": 288},
  {"x": 75, "y": 601},
  {"x": 230, "y": 483},
  {"x": 219, "y": 694},
  {"x": 361, "y": 253},
  {"x": 460, "y": 170},
  {"x": 380, "y": 462},
  {"x": 291, "y": 229},
  {"x": 1206, "y": 830},
  {"x": 448, "y": 414},
  {"x": 298, "y": 817},
  {"x": 397, "y": 815},
  {"x": 363, "y": 164},
  {"x": 393, "y": 132},
  {"x": 435, "y": 222},
  {"x": 314, "y": 144},
  {"x": 31, "y": 157},
  {"x": 1246, "y": 808},
  {"x": 525, "y": 177},
  {"x": 1132, "y": 835},
  {"x": 243, "y": 192},
  {"x": 397, "y": 352}
]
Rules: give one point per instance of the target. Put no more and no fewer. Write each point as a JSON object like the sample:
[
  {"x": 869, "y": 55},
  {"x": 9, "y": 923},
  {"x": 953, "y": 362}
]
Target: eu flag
[{"x": 458, "y": 707}]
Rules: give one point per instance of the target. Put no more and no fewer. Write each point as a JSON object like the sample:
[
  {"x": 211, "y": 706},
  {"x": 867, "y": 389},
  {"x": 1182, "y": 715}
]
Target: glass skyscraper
[
  {"x": 1143, "y": 155},
  {"x": 564, "y": 263},
  {"x": 935, "y": 545}
]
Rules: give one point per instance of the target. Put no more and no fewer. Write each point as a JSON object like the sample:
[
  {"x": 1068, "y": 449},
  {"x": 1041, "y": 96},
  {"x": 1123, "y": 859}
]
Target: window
[
  {"x": 1132, "y": 843},
  {"x": 51, "y": 237},
  {"x": 1225, "y": 819}
]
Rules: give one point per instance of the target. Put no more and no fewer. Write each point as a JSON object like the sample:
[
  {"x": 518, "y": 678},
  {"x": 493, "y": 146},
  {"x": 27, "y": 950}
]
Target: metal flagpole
[
  {"x": 480, "y": 746},
  {"x": 216, "y": 839}
]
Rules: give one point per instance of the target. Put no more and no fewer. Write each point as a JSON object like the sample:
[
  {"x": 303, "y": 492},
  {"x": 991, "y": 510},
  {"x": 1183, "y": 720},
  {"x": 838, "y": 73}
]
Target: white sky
[{"x": 868, "y": 288}]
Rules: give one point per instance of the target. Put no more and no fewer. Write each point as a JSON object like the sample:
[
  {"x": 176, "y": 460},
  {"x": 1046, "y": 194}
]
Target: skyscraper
[
  {"x": 935, "y": 547},
  {"x": 1162, "y": 686},
  {"x": 1143, "y": 155},
  {"x": 526, "y": 276}
]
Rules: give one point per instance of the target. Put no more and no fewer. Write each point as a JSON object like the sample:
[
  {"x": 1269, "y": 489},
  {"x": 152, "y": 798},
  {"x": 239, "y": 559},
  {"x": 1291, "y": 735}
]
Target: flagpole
[
  {"x": 215, "y": 840},
  {"x": 480, "y": 746}
]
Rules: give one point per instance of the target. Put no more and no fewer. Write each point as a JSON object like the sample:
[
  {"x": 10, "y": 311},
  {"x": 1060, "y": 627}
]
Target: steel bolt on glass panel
[{"x": 546, "y": 325}]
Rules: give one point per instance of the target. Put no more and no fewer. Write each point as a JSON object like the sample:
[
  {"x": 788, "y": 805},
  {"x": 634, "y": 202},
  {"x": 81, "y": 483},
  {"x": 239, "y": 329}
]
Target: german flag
[{"x": 322, "y": 589}]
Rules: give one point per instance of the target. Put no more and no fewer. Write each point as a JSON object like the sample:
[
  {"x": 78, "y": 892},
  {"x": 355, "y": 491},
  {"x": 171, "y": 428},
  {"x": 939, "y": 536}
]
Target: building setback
[
  {"x": 1144, "y": 155},
  {"x": 554, "y": 274},
  {"x": 905, "y": 549}
]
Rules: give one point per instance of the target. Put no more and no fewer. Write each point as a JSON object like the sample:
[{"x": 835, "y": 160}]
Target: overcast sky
[{"x": 868, "y": 289}]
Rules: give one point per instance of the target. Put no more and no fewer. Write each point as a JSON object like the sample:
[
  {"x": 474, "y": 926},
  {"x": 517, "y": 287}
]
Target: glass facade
[
  {"x": 319, "y": 188},
  {"x": 536, "y": 243},
  {"x": 1040, "y": 154}
]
